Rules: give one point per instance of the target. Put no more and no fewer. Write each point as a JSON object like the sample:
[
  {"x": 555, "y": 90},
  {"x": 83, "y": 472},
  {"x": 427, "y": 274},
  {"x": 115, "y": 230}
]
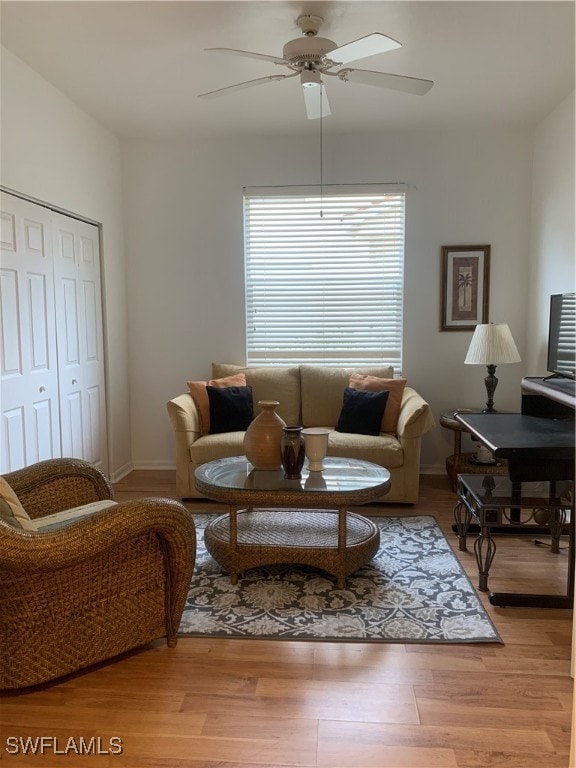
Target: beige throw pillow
[
  {"x": 200, "y": 396},
  {"x": 377, "y": 384},
  {"x": 11, "y": 511}
]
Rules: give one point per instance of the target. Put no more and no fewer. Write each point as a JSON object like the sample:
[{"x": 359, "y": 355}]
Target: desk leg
[
  {"x": 556, "y": 523},
  {"x": 462, "y": 517},
  {"x": 484, "y": 549}
]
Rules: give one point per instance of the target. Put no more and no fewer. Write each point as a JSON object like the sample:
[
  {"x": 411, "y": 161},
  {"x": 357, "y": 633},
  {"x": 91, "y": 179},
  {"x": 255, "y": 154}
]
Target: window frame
[{"x": 316, "y": 209}]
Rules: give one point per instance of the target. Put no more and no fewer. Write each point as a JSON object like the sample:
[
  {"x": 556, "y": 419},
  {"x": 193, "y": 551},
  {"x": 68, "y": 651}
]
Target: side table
[
  {"x": 464, "y": 463},
  {"x": 479, "y": 497}
]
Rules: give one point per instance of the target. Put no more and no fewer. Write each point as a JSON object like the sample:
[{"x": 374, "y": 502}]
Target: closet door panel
[
  {"x": 80, "y": 340},
  {"x": 29, "y": 373},
  {"x": 72, "y": 425},
  {"x": 13, "y": 438}
]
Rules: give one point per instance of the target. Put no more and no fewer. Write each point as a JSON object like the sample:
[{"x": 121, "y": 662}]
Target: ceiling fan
[{"x": 311, "y": 57}]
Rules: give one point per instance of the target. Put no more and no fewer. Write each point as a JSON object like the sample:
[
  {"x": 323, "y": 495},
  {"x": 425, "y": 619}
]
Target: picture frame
[{"x": 465, "y": 286}]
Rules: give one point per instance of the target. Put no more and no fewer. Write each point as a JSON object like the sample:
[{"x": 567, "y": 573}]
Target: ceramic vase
[
  {"x": 292, "y": 445},
  {"x": 263, "y": 437},
  {"x": 316, "y": 447}
]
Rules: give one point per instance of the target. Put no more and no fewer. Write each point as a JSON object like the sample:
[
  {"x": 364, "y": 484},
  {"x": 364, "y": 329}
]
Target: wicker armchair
[{"x": 94, "y": 588}]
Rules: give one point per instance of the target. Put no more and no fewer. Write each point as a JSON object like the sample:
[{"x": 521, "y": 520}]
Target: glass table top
[
  {"x": 338, "y": 475},
  {"x": 498, "y": 490}
]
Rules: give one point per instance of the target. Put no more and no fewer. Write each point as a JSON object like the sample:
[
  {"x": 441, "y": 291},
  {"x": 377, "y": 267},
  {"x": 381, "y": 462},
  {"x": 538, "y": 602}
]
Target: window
[{"x": 324, "y": 275}]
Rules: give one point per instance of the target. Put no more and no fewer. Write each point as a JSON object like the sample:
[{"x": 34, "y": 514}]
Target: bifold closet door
[
  {"x": 80, "y": 340},
  {"x": 30, "y": 421},
  {"x": 53, "y": 400}
]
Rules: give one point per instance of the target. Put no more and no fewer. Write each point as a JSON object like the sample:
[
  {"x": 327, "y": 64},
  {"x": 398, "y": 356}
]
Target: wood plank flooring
[{"x": 274, "y": 704}]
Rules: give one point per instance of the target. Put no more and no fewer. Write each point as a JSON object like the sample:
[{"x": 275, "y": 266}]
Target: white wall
[
  {"x": 55, "y": 153},
  {"x": 183, "y": 208},
  {"x": 552, "y": 233}
]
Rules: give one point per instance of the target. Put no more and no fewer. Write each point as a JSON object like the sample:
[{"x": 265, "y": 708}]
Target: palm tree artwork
[{"x": 465, "y": 281}]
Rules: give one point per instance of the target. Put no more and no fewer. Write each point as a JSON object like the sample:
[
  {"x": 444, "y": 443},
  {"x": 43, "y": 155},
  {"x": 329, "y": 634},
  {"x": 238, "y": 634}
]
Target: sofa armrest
[
  {"x": 415, "y": 417},
  {"x": 184, "y": 416}
]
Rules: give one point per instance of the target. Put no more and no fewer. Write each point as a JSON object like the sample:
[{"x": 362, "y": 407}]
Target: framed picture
[{"x": 465, "y": 286}]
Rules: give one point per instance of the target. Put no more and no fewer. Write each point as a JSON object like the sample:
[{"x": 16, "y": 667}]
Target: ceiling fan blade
[
  {"x": 249, "y": 55},
  {"x": 316, "y": 102},
  {"x": 241, "y": 86},
  {"x": 403, "y": 83},
  {"x": 364, "y": 47}
]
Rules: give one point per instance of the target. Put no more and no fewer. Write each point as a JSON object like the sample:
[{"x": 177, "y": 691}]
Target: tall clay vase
[
  {"x": 292, "y": 445},
  {"x": 263, "y": 437}
]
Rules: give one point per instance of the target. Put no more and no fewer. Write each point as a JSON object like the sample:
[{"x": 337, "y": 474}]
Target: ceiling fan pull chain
[{"x": 321, "y": 156}]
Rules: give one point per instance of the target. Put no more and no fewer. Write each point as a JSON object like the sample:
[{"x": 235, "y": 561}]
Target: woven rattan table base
[{"x": 299, "y": 537}]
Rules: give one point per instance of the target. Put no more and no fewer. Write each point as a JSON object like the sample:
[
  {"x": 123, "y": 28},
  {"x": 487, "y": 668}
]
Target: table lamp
[{"x": 492, "y": 344}]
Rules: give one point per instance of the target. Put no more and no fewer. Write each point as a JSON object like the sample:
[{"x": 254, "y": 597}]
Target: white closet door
[
  {"x": 29, "y": 410},
  {"x": 80, "y": 340}
]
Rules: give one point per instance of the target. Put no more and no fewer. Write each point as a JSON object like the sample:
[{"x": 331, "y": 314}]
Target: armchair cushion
[
  {"x": 11, "y": 510},
  {"x": 59, "y": 519}
]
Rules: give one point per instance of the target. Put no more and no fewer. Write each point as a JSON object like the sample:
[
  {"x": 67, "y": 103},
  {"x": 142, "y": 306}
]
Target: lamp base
[{"x": 491, "y": 382}]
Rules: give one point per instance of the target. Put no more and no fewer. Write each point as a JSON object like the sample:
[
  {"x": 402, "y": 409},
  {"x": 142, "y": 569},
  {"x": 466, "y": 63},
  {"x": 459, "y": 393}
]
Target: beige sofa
[{"x": 311, "y": 396}]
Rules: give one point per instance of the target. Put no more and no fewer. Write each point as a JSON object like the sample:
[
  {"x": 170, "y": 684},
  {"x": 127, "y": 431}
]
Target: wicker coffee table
[{"x": 272, "y": 520}]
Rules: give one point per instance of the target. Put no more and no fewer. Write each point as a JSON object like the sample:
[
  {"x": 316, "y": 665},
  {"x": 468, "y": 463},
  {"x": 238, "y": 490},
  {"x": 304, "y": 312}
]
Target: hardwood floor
[{"x": 240, "y": 703}]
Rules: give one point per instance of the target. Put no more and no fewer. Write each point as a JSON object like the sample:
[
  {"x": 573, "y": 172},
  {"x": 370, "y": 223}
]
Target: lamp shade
[{"x": 492, "y": 344}]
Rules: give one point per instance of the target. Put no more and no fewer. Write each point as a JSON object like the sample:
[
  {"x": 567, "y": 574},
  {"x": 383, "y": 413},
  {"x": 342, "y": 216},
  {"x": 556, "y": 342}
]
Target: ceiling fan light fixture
[{"x": 310, "y": 78}]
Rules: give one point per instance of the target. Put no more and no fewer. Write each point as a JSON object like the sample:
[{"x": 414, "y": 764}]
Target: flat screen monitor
[{"x": 562, "y": 335}]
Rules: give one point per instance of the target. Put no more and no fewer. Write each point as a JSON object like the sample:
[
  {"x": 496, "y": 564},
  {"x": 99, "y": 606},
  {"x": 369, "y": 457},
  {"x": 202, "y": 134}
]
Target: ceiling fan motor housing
[{"x": 303, "y": 50}]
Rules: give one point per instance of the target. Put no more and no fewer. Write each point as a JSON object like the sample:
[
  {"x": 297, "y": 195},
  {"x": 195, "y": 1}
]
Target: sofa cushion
[
  {"x": 384, "y": 450},
  {"x": 200, "y": 396},
  {"x": 11, "y": 511},
  {"x": 323, "y": 388},
  {"x": 231, "y": 408},
  {"x": 218, "y": 446},
  {"x": 362, "y": 412},
  {"x": 378, "y": 384},
  {"x": 270, "y": 383}
]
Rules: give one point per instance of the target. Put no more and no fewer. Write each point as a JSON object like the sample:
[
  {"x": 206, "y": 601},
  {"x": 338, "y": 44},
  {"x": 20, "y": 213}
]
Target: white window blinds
[{"x": 324, "y": 275}]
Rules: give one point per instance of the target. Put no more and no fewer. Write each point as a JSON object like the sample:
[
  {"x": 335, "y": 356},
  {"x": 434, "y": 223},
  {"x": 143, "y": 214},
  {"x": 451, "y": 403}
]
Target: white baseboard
[
  {"x": 154, "y": 465},
  {"x": 118, "y": 474}
]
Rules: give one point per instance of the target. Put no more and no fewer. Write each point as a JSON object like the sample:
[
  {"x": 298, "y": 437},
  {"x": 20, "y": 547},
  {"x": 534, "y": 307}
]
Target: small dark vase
[{"x": 292, "y": 447}]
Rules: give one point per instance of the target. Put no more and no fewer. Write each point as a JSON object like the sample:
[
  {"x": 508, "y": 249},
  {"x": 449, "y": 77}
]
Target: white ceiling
[{"x": 137, "y": 67}]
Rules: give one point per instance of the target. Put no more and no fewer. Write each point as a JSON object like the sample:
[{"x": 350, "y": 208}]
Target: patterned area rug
[{"x": 413, "y": 591}]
